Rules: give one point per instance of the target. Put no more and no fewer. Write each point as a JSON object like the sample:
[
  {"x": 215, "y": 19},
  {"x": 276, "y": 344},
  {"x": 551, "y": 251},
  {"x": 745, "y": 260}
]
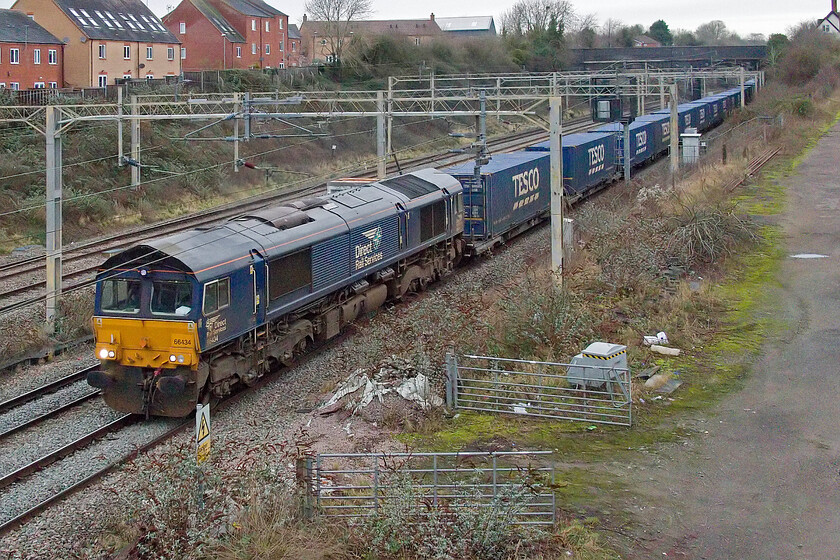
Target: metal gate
[
  {"x": 355, "y": 485},
  {"x": 539, "y": 389}
]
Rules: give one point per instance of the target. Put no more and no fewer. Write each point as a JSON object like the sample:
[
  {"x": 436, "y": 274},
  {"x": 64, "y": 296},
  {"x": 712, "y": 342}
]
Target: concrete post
[
  {"x": 675, "y": 132},
  {"x": 120, "y": 154},
  {"x": 556, "y": 162},
  {"x": 743, "y": 101},
  {"x": 54, "y": 217},
  {"x": 135, "y": 143},
  {"x": 380, "y": 135},
  {"x": 389, "y": 148},
  {"x": 626, "y": 152},
  {"x": 237, "y": 107},
  {"x": 661, "y": 92}
]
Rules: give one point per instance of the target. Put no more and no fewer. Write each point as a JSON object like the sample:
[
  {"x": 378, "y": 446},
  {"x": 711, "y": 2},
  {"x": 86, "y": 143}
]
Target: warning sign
[{"x": 202, "y": 433}]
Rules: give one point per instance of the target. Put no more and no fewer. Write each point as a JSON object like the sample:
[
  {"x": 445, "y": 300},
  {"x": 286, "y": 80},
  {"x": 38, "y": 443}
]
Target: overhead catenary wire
[{"x": 92, "y": 282}]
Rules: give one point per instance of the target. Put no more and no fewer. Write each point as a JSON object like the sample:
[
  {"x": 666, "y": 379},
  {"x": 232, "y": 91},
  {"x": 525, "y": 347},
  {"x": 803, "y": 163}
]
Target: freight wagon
[
  {"x": 641, "y": 141},
  {"x": 513, "y": 194},
  {"x": 589, "y": 162},
  {"x": 660, "y": 127}
]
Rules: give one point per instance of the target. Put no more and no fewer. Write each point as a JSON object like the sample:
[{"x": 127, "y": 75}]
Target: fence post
[
  {"x": 376, "y": 484},
  {"x": 435, "y": 479},
  {"x": 303, "y": 476},
  {"x": 451, "y": 380},
  {"x": 494, "y": 475}
]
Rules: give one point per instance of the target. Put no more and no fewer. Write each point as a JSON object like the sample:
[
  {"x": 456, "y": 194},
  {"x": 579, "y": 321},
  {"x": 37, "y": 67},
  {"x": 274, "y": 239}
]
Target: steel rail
[
  {"x": 47, "y": 415},
  {"x": 66, "y": 450},
  {"x": 45, "y": 389}
]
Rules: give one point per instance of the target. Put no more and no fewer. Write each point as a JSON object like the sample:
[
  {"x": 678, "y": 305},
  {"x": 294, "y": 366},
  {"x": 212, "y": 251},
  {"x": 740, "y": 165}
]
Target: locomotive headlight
[
  {"x": 112, "y": 354},
  {"x": 173, "y": 358},
  {"x": 103, "y": 354},
  {"x": 180, "y": 358}
]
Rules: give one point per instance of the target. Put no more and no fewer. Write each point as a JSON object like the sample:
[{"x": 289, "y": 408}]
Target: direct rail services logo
[{"x": 369, "y": 253}]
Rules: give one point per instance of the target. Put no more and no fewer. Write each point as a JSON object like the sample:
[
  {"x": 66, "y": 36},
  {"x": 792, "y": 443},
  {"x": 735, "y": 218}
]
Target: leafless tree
[
  {"x": 527, "y": 16},
  {"x": 610, "y": 27},
  {"x": 335, "y": 17},
  {"x": 716, "y": 33}
]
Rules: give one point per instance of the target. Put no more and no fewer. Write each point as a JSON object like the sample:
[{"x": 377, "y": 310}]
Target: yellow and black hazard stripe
[{"x": 585, "y": 355}]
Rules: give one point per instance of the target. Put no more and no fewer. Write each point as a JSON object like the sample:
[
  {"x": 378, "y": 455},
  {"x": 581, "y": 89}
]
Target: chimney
[
  {"x": 304, "y": 18},
  {"x": 834, "y": 6},
  {"x": 432, "y": 17}
]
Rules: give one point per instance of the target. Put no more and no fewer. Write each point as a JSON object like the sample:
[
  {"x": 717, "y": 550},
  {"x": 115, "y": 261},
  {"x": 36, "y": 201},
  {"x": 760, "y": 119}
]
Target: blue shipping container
[
  {"x": 641, "y": 141},
  {"x": 514, "y": 188},
  {"x": 589, "y": 160},
  {"x": 660, "y": 127},
  {"x": 686, "y": 116}
]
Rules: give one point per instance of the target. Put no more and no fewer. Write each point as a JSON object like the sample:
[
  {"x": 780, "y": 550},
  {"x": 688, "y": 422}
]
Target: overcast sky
[{"x": 742, "y": 16}]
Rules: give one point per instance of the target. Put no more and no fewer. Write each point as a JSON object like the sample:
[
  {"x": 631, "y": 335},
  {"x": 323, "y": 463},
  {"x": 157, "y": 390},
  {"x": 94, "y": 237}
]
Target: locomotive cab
[{"x": 145, "y": 328}]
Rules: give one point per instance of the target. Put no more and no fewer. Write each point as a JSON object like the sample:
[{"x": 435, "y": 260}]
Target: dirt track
[{"x": 764, "y": 482}]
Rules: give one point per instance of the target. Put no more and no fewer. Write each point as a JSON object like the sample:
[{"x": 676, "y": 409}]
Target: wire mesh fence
[
  {"x": 582, "y": 393},
  {"x": 358, "y": 485}
]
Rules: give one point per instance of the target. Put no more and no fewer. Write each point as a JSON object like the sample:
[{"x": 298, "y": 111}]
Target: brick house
[
  {"x": 317, "y": 46},
  {"x": 646, "y": 41},
  {"x": 293, "y": 54},
  {"x": 106, "y": 40},
  {"x": 30, "y": 57},
  {"x": 223, "y": 34}
]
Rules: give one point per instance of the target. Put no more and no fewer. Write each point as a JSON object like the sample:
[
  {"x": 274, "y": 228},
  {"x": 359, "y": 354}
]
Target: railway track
[{"x": 30, "y": 267}]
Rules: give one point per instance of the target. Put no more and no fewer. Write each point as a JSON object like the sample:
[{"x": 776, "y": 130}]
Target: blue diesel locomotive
[{"x": 184, "y": 318}]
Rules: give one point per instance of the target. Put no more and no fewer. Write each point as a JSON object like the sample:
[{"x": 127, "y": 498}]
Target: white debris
[
  {"x": 359, "y": 390},
  {"x": 665, "y": 350}
]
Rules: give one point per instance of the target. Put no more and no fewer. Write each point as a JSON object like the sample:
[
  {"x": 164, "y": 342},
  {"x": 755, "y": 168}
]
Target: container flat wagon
[{"x": 513, "y": 195}]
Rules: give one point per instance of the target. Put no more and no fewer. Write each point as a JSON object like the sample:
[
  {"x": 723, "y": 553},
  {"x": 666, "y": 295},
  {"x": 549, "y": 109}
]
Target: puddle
[{"x": 808, "y": 256}]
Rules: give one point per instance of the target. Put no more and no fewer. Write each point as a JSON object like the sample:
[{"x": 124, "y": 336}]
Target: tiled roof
[
  {"x": 294, "y": 32},
  {"x": 218, "y": 20},
  {"x": 476, "y": 23},
  {"x": 256, "y": 8},
  {"x": 17, "y": 27},
  {"x": 116, "y": 20}
]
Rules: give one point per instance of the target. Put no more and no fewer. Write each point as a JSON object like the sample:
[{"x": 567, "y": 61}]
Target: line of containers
[{"x": 515, "y": 191}]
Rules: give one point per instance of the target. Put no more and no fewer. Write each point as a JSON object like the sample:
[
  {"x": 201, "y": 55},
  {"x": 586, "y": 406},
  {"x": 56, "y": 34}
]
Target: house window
[
  {"x": 417, "y": 41},
  {"x": 266, "y": 27},
  {"x": 52, "y": 56},
  {"x": 182, "y": 27},
  {"x": 253, "y": 48},
  {"x": 150, "y": 76},
  {"x": 39, "y": 85},
  {"x": 36, "y": 56},
  {"x": 170, "y": 53},
  {"x": 238, "y": 52},
  {"x": 103, "y": 80},
  {"x": 126, "y": 76},
  {"x": 101, "y": 52},
  {"x": 825, "y": 27},
  {"x": 126, "y": 52},
  {"x": 268, "y": 49},
  {"x": 183, "y": 53},
  {"x": 149, "y": 53},
  {"x": 15, "y": 86},
  {"x": 294, "y": 47},
  {"x": 279, "y": 23},
  {"x": 14, "y": 56},
  {"x": 253, "y": 25},
  {"x": 53, "y": 85}
]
